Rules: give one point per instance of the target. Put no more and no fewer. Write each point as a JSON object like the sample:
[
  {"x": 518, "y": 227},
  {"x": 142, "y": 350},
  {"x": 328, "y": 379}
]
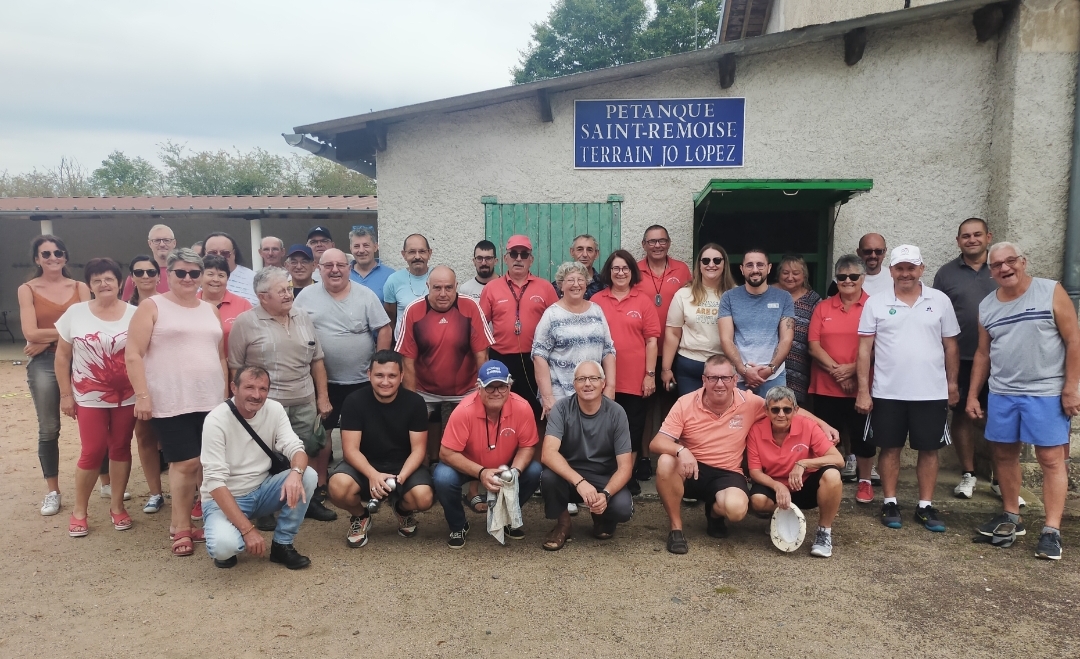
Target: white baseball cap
[
  {"x": 906, "y": 254},
  {"x": 788, "y": 528}
]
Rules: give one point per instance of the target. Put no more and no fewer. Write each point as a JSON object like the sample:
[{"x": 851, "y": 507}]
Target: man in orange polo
[
  {"x": 700, "y": 448},
  {"x": 490, "y": 428}
]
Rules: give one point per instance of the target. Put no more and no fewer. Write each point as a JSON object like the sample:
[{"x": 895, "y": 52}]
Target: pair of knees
[
  {"x": 345, "y": 493},
  {"x": 94, "y": 460},
  {"x": 731, "y": 504}
]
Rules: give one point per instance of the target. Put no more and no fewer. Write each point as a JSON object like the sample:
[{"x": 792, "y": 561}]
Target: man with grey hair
[
  {"x": 366, "y": 269},
  {"x": 585, "y": 250},
  {"x": 272, "y": 251},
  {"x": 161, "y": 241},
  {"x": 1029, "y": 348},
  {"x": 281, "y": 339},
  {"x": 587, "y": 459}
]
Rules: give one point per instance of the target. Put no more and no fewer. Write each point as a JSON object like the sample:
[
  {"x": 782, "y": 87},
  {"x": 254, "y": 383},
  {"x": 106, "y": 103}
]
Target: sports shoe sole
[
  {"x": 356, "y": 545},
  {"x": 820, "y": 554},
  {"x": 1047, "y": 557}
]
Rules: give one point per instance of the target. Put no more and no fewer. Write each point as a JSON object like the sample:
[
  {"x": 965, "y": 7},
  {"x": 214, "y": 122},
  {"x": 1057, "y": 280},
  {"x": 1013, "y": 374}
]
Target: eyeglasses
[
  {"x": 657, "y": 242},
  {"x": 319, "y": 241},
  {"x": 573, "y": 281},
  {"x": 334, "y": 266},
  {"x": 620, "y": 268},
  {"x": 144, "y": 273},
  {"x": 162, "y": 241},
  {"x": 223, "y": 253},
  {"x": 46, "y": 254},
  {"x": 716, "y": 260},
  {"x": 282, "y": 293},
  {"x": 726, "y": 379},
  {"x": 592, "y": 379},
  {"x": 854, "y": 277},
  {"x": 875, "y": 252},
  {"x": 522, "y": 254},
  {"x": 497, "y": 388},
  {"x": 184, "y": 274},
  {"x": 782, "y": 410},
  {"x": 483, "y": 259},
  {"x": 994, "y": 267}
]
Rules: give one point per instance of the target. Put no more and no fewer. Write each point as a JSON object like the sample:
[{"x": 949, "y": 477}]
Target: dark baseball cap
[
  {"x": 319, "y": 230},
  {"x": 300, "y": 249}
]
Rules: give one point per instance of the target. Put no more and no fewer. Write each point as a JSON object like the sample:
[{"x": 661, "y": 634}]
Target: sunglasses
[
  {"x": 58, "y": 253},
  {"x": 496, "y": 388},
  {"x": 726, "y": 379},
  {"x": 782, "y": 410},
  {"x": 875, "y": 252},
  {"x": 854, "y": 277},
  {"x": 184, "y": 274},
  {"x": 223, "y": 253},
  {"x": 523, "y": 254},
  {"x": 716, "y": 260},
  {"x": 145, "y": 273}
]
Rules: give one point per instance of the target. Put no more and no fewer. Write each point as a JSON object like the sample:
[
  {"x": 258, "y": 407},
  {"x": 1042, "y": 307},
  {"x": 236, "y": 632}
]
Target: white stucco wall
[{"x": 914, "y": 115}]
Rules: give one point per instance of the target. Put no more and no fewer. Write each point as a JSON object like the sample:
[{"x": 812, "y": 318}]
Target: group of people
[{"x": 468, "y": 391}]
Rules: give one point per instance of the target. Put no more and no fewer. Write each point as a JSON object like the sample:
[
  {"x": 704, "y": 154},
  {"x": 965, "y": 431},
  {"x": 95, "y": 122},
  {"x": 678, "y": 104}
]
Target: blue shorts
[{"x": 1035, "y": 420}]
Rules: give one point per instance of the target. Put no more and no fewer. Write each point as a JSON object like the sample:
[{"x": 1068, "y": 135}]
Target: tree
[
  {"x": 120, "y": 175},
  {"x": 584, "y": 35},
  {"x": 67, "y": 180}
]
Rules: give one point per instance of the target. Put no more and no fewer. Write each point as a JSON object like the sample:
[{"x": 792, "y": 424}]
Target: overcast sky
[{"x": 80, "y": 79}]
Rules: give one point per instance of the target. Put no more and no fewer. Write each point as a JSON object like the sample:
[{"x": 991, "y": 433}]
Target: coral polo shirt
[
  {"x": 675, "y": 275},
  {"x": 505, "y": 303},
  {"x": 715, "y": 440},
  {"x": 837, "y": 331},
  {"x": 632, "y": 320},
  {"x": 805, "y": 441},
  {"x": 471, "y": 433}
]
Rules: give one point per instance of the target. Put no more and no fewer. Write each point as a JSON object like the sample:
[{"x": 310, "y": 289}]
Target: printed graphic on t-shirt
[
  {"x": 707, "y": 311},
  {"x": 98, "y": 371}
]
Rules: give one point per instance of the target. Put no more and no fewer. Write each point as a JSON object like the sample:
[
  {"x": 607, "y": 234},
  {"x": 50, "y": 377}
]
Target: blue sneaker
[
  {"x": 154, "y": 504},
  {"x": 890, "y": 515},
  {"x": 928, "y": 517},
  {"x": 1049, "y": 547}
]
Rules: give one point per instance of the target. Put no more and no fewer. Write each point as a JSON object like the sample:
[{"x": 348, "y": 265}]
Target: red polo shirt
[
  {"x": 631, "y": 320},
  {"x": 471, "y": 433},
  {"x": 503, "y": 307},
  {"x": 231, "y": 306},
  {"x": 805, "y": 441},
  {"x": 442, "y": 343},
  {"x": 838, "y": 332},
  {"x": 675, "y": 275}
]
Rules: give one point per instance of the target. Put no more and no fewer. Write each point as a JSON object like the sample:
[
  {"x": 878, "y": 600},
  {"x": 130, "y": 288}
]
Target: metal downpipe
[{"x": 1071, "y": 271}]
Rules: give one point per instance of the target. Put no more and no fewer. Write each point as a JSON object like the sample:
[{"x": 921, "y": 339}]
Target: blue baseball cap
[
  {"x": 494, "y": 371},
  {"x": 300, "y": 249}
]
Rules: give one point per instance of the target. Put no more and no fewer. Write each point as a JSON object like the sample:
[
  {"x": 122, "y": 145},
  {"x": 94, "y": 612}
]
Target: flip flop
[
  {"x": 78, "y": 528},
  {"x": 120, "y": 522},
  {"x": 474, "y": 502}
]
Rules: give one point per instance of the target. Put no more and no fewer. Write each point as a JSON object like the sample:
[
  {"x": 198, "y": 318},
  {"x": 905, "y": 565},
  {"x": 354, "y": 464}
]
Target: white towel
[{"x": 504, "y": 509}]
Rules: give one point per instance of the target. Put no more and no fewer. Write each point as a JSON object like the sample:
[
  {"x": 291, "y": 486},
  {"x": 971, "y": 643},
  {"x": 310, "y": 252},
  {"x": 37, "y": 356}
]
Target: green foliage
[
  {"x": 67, "y": 180},
  {"x": 120, "y": 175},
  {"x": 584, "y": 35}
]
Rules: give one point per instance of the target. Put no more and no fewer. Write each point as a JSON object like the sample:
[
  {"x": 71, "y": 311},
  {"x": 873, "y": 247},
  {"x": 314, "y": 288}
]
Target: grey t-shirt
[
  {"x": 757, "y": 322},
  {"x": 590, "y": 442},
  {"x": 966, "y": 288},
  {"x": 346, "y": 329}
]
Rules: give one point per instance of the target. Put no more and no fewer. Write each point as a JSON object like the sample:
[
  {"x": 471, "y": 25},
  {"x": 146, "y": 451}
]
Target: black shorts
[
  {"x": 806, "y": 498},
  {"x": 421, "y": 476},
  {"x": 840, "y": 414},
  {"x": 180, "y": 436},
  {"x": 963, "y": 383},
  {"x": 522, "y": 371},
  {"x": 337, "y": 393},
  {"x": 922, "y": 423},
  {"x": 711, "y": 480},
  {"x": 634, "y": 406}
]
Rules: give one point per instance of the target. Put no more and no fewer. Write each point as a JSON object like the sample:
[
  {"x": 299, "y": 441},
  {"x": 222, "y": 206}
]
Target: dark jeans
[
  {"x": 41, "y": 378},
  {"x": 448, "y": 482},
  {"x": 688, "y": 374},
  {"x": 634, "y": 406},
  {"x": 557, "y": 493}
]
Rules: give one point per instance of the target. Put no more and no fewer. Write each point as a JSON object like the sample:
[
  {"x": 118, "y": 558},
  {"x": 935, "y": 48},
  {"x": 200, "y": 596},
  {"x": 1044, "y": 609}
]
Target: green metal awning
[{"x": 781, "y": 194}]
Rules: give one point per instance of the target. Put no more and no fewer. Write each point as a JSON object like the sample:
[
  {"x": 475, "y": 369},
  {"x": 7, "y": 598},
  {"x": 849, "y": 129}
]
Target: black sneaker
[
  {"x": 266, "y": 523},
  {"x": 514, "y": 534},
  {"x": 988, "y": 528},
  {"x": 288, "y": 556},
  {"x": 928, "y": 517},
  {"x": 317, "y": 511},
  {"x": 715, "y": 526},
  {"x": 634, "y": 487},
  {"x": 890, "y": 516},
  {"x": 1049, "y": 546},
  {"x": 643, "y": 469},
  {"x": 225, "y": 564},
  {"x": 457, "y": 538}
]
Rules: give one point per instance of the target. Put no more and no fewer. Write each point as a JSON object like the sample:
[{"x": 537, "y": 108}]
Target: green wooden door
[{"x": 552, "y": 229}]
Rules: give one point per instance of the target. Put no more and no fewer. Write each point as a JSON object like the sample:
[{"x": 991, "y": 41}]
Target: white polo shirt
[{"x": 909, "y": 359}]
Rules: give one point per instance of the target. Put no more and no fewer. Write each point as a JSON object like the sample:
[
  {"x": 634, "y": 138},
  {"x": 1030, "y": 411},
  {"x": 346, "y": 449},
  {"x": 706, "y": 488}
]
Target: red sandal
[
  {"x": 197, "y": 535},
  {"x": 78, "y": 528},
  {"x": 182, "y": 544},
  {"x": 121, "y": 521}
]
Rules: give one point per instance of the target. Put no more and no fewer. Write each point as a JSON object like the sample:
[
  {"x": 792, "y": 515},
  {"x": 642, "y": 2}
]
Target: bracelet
[
  {"x": 143, "y": 396},
  {"x": 665, "y": 370},
  {"x": 681, "y": 448},
  {"x": 579, "y": 483},
  {"x": 480, "y": 474},
  {"x": 250, "y": 529}
]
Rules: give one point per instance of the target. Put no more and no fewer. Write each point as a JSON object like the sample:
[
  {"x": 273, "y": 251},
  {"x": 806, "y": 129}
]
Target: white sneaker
[
  {"x": 822, "y": 544},
  {"x": 996, "y": 489},
  {"x": 966, "y": 488},
  {"x": 106, "y": 493},
  {"x": 571, "y": 508},
  {"x": 51, "y": 506},
  {"x": 850, "y": 472},
  {"x": 875, "y": 479}
]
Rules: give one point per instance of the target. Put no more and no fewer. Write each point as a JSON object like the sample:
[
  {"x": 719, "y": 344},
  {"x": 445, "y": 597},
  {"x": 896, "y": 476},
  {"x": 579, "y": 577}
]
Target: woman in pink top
[
  {"x": 176, "y": 362},
  {"x": 214, "y": 282}
]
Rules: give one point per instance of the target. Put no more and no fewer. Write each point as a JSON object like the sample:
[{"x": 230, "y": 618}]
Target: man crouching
[{"x": 237, "y": 484}]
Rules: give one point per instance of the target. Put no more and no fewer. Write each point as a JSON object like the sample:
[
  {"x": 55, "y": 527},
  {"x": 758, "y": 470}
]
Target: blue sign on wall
[{"x": 655, "y": 133}]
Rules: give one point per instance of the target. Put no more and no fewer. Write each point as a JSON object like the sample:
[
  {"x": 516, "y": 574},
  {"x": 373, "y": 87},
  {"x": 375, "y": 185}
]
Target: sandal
[
  {"x": 558, "y": 537},
  {"x": 182, "y": 544},
  {"x": 77, "y": 528},
  {"x": 197, "y": 535},
  {"x": 475, "y": 502},
  {"x": 121, "y": 521}
]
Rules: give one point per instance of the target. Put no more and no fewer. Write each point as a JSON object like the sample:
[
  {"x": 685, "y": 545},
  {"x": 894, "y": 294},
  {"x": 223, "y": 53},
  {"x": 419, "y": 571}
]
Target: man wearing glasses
[
  {"x": 514, "y": 304},
  {"x": 319, "y": 240},
  {"x": 491, "y": 428},
  {"x": 585, "y": 251},
  {"x": 700, "y": 448},
  {"x": 241, "y": 278},
  {"x": 587, "y": 459},
  {"x": 484, "y": 262},
  {"x": 301, "y": 265},
  {"x": 366, "y": 269},
  {"x": 161, "y": 242}
]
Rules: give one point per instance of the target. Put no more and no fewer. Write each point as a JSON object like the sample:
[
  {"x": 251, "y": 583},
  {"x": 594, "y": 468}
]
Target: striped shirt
[
  {"x": 1027, "y": 354},
  {"x": 566, "y": 339}
]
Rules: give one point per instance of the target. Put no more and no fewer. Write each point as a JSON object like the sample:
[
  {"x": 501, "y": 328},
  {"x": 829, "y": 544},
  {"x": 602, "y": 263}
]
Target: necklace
[
  {"x": 413, "y": 291},
  {"x": 659, "y": 299}
]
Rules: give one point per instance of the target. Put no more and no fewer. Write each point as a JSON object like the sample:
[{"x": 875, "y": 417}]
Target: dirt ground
[{"x": 885, "y": 593}]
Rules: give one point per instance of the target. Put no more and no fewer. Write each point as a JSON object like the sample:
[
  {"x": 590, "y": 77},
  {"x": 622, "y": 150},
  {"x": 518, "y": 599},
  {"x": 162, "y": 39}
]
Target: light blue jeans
[
  {"x": 778, "y": 381},
  {"x": 41, "y": 378},
  {"x": 223, "y": 540}
]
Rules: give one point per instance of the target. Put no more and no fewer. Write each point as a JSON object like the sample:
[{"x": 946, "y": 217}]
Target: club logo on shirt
[
  {"x": 800, "y": 448},
  {"x": 735, "y": 422},
  {"x": 892, "y": 312},
  {"x": 506, "y": 432},
  {"x": 633, "y": 314},
  {"x": 774, "y": 305},
  {"x": 673, "y": 280},
  {"x": 929, "y": 309},
  {"x": 537, "y": 299}
]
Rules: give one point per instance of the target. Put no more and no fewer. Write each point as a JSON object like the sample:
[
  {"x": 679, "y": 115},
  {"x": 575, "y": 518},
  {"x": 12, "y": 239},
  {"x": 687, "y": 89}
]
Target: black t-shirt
[{"x": 385, "y": 427}]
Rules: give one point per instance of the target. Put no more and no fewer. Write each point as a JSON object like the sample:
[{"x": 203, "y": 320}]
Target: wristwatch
[
  {"x": 298, "y": 470},
  {"x": 606, "y": 494},
  {"x": 650, "y": 373}
]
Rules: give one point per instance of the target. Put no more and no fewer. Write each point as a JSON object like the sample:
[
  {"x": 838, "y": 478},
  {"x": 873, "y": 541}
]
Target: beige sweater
[{"x": 232, "y": 459}]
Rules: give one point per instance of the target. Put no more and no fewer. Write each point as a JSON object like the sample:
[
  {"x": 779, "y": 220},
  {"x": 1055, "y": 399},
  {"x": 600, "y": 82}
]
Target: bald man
[
  {"x": 272, "y": 251},
  {"x": 438, "y": 334}
]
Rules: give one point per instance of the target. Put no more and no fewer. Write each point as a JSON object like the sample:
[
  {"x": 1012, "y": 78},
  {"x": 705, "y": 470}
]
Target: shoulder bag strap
[{"x": 251, "y": 431}]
